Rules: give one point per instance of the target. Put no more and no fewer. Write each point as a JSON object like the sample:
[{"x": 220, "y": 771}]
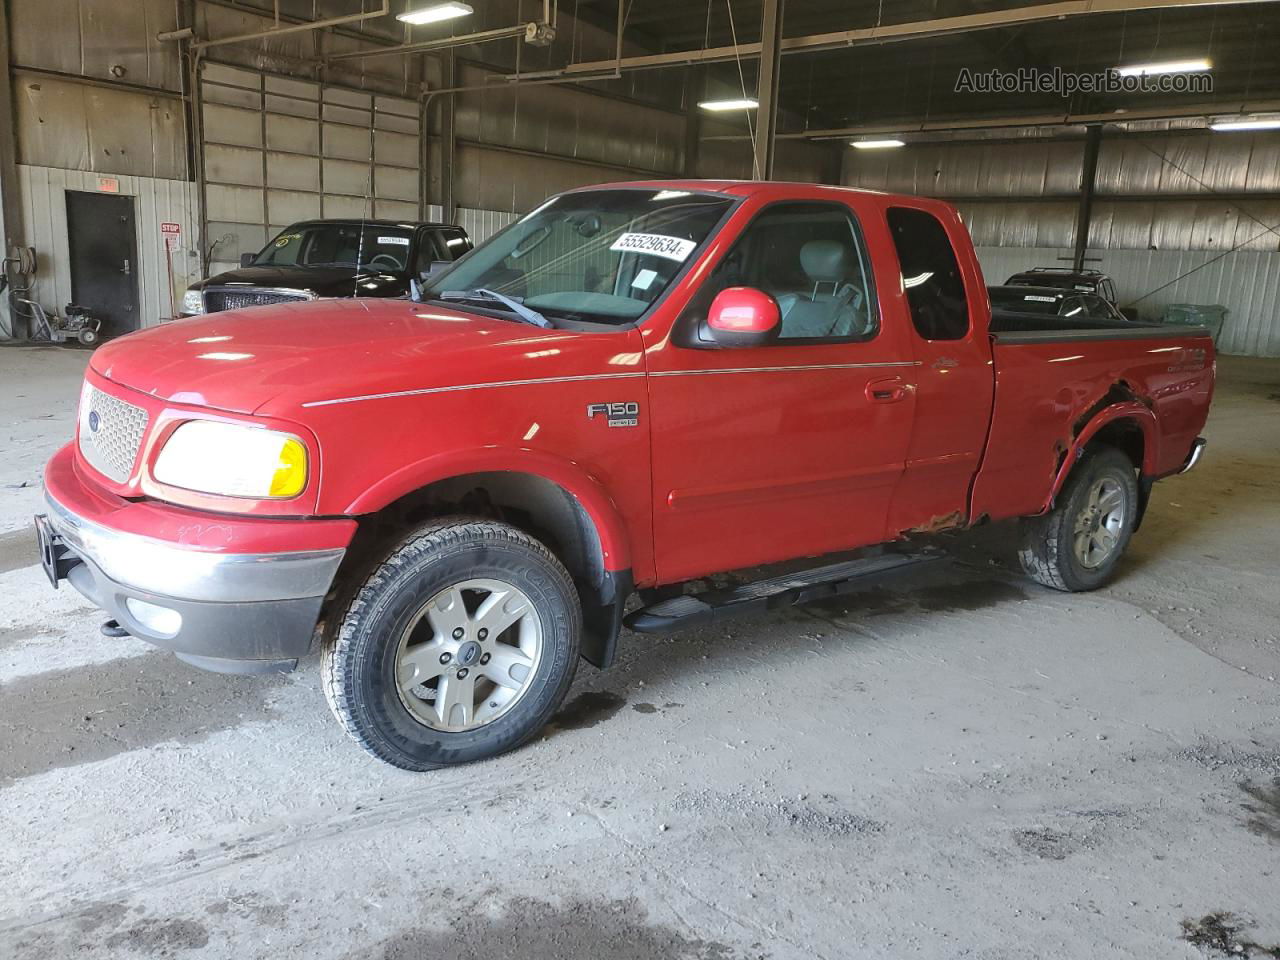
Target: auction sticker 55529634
[{"x": 673, "y": 248}]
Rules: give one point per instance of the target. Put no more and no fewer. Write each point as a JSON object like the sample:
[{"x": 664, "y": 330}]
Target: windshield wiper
[{"x": 515, "y": 306}]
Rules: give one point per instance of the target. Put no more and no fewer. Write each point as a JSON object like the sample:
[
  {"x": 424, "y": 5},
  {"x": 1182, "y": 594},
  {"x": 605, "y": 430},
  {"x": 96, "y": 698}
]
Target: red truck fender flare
[
  {"x": 569, "y": 475},
  {"x": 1139, "y": 413}
]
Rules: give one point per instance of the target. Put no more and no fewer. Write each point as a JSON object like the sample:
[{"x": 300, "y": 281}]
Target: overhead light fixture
[
  {"x": 741, "y": 103},
  {"x": 1168, "y": 66},
  {"x": 1248, "y": 123},
  {"x": 437, "y": 12},
  {"x": 876, "y": 144}
]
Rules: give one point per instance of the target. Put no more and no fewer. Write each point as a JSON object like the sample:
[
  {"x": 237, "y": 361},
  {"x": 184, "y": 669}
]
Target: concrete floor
[{"x": 962, "y": 765}]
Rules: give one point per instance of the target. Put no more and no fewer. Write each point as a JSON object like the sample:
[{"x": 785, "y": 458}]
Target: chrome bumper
[
  {"x": 235, "y": 613},
  {"x": 1193, "y": 457},
  {"x": 173, "y": 571}
]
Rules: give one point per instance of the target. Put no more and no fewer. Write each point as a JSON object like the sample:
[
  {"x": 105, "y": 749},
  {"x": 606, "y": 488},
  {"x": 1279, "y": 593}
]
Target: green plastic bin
[{"x": 1211, "y": 316}]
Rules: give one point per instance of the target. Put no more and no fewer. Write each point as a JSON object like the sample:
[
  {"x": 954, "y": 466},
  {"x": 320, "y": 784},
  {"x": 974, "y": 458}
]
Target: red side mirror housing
[{"x": 742, "y": 317}]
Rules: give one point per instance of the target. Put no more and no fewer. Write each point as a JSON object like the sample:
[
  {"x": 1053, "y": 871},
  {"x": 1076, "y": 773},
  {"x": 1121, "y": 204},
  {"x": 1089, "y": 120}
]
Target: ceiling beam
[
  {"x": 884, "y": 33},
  {"x": 945, "y": 124}
]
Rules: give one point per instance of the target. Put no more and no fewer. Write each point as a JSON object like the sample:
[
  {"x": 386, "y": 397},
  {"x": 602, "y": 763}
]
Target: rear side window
[
  {"x": 454, "y": 243},
  {"x": 930, "y": 274}
]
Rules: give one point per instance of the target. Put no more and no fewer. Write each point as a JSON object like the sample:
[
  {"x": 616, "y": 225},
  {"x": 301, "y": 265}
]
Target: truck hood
[
  {"x": 322, "y": 281},
  {"x": 288, "y": 355}
]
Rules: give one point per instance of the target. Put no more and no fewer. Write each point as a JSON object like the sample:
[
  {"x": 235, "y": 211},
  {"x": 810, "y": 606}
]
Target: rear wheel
[
  {"x": 87, "y": 337},
  {"x": 1076, "y": 545},
  {"x": 459, "y": 646}
]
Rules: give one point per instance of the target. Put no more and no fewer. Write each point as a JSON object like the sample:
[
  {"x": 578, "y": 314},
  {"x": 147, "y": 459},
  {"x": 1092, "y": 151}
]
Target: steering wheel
[{"x": 387, "y": 260}]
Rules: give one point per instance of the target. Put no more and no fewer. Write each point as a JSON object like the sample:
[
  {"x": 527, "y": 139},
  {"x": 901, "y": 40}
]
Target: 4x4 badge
[{"x": 616, "y": 414}]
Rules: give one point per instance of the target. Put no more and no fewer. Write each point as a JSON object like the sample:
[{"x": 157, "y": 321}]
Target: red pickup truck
[{"x": 632, "y": 387}]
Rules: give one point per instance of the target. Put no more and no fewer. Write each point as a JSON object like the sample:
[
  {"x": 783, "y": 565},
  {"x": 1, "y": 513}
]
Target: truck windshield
[
  {"x": 339, "y": 245},
  {"x": 600, "y": 256}
]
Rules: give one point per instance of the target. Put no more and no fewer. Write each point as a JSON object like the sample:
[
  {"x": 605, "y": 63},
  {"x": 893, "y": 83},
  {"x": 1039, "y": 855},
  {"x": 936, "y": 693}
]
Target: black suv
[
  {"x": 331, "y": 258},
  {"x": 1088, "y": 281}
]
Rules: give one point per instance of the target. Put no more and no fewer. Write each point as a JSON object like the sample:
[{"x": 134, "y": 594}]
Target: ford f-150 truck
[{"x": 631, "y": 388}]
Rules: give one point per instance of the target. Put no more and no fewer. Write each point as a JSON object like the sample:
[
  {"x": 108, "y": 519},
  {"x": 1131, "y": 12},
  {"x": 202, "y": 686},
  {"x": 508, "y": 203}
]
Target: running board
[{"x": 785, "y": 591}]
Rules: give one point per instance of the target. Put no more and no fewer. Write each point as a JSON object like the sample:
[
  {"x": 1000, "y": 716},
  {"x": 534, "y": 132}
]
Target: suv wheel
[{"x": 459, "y": 646}]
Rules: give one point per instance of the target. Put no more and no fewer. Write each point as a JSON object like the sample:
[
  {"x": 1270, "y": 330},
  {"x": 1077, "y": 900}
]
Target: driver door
[{"x": 793, "y": 449}]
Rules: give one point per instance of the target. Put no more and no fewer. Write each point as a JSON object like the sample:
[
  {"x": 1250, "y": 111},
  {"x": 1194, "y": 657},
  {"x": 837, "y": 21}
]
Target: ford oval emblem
[{"x": 94, "y": 420}]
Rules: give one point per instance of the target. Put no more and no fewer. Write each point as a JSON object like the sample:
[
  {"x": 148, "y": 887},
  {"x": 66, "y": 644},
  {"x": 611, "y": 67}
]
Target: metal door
[{"x": 103, "y": 248}]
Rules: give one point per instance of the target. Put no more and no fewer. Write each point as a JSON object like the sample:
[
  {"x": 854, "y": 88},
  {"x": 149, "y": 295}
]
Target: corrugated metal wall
[
  {"x": 161, "y": 278},
  {"x": 1247, "y": 283},
  {"x": 1159, "y": 214},
  {"x": 277, "y": 150}
]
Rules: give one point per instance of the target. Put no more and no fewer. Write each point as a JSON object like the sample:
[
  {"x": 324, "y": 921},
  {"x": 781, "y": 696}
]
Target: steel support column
[
  {"x": 692, "y": 121},
  {"x": 767, "y": 88},
  {"x": 10, "y": 200},
  {"x": 1088, "y": 171},
  {"x": 448, "y": 139}
]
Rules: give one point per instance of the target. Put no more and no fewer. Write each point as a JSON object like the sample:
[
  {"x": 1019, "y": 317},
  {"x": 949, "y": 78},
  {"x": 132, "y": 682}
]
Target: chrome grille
[
  {"x": 216, "y": 300},
  {"x": 110, "y": 433}
]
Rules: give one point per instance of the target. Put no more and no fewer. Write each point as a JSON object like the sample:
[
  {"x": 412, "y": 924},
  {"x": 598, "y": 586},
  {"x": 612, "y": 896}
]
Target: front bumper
[{"x": 221, "y": 609}]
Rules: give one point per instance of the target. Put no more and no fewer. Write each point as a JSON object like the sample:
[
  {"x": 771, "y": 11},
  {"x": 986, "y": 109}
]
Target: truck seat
[{"x": 833, "y": 307}]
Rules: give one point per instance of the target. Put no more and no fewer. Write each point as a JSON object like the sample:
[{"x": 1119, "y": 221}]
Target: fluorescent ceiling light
[
  {"x": 1249, "y": 123},
  {"x": 1169, "y": 66},
  {"x": 437, "y": 12},
  {"x": 741, "y": 103},
  {"x": 876, "y": 144}
]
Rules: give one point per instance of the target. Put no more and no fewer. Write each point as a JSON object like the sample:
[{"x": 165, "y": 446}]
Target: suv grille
[
  {"x": 110, "y": 433},
  {"x": 218, "y": 300}
]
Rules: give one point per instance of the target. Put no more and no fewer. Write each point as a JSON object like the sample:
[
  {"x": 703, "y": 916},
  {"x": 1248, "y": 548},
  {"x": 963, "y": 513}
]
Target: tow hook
[{"x": 112, "y": 628}]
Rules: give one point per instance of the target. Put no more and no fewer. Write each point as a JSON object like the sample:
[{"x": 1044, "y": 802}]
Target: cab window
[
  {"x": 930, "y": 274},
  {"x": 811, "y": 258}
]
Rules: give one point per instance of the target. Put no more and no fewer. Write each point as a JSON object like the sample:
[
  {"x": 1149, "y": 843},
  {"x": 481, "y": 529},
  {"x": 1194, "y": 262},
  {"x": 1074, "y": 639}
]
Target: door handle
[
  {"x": 889, "y": 390},
  {"x": 125, "y": 268}
]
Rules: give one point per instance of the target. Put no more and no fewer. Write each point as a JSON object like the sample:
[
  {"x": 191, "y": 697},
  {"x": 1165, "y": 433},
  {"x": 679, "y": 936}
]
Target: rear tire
[
  {"x": 1076, "y": 545},
  {"x": 87, "y": 337},
  {"x": 459, "y": 646}
]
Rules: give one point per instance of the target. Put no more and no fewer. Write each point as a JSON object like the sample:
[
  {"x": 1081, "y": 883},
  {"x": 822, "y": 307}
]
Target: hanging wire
[
  {"x": 1212, "y": 192},
  {"x": 742, "y": 82}
]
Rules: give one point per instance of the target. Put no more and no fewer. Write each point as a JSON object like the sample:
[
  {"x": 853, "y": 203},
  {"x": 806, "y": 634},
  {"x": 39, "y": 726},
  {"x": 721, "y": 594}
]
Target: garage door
[{"x": 275, "y": 150}]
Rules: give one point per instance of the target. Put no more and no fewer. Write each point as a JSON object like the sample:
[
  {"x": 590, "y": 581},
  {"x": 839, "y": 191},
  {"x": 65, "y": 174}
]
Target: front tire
[
  {"x": 459, "y": 646},
  {"x": 1076, "y": 545}
]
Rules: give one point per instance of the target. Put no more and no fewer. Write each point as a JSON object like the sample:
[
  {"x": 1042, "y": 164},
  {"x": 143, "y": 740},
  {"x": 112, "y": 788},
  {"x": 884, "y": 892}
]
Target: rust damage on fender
[{"x": 947, "y": 521}]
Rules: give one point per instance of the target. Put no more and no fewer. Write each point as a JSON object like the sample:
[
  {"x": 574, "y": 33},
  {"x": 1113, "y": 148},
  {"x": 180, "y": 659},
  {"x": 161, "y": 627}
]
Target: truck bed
[
  {"x": 1011, "y": 327},
  {"x": 1052, "y": 376}
]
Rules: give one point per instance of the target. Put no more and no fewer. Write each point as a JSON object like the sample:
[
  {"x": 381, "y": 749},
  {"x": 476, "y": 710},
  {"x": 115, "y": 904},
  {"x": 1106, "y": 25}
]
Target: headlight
[
  {"x": 193, "y": 302},
  {"x": 233, "y": 460}
]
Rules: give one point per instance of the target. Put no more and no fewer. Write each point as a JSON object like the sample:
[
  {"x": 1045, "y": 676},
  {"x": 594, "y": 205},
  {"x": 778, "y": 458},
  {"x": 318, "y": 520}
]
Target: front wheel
[
  {"x": 1076, "y": 545},
  {"x": 459, "y": 646}
]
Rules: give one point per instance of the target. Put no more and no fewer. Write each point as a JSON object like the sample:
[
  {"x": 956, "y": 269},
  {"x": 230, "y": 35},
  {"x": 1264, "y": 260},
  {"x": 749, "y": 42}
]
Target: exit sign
[{"x": 108, "y": 185}]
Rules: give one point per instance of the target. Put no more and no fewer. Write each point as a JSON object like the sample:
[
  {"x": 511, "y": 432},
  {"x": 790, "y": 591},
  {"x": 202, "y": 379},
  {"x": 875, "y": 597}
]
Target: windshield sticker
[
  {"x": 284, "y": 240},
  {"x": 644, "y": 279},
  {"x": 673, "y": 248},
  {"x": 1041, "y": 299},
  {"x": 393, "y": 241}
]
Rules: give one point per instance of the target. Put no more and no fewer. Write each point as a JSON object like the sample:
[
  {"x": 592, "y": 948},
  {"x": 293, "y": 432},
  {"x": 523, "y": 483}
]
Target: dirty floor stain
[
  {"x": 533, "y": 930},
  {"x": 588, "y": 709}
]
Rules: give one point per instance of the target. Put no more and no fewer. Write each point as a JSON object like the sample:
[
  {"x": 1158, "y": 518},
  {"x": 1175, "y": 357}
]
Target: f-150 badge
[{"x": 616, "y": 414}]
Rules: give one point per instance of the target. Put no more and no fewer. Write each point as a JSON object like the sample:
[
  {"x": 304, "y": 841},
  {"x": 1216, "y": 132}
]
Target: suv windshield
[
  {"x": 338, "y": 245},
  {"x": 599, "y": 255}
]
